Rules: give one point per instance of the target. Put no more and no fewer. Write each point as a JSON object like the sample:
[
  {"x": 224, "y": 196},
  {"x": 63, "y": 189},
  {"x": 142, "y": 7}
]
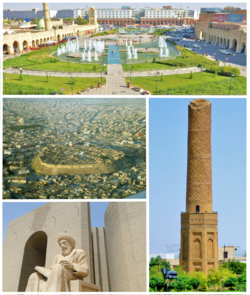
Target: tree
[
  {"x": 35, "y": 21},
  {"x": 156, "y": 260},
  {"x": 81, "y": 21},
  {"x": 236, "y": 267},
  {"x": 69, "y": 19}
]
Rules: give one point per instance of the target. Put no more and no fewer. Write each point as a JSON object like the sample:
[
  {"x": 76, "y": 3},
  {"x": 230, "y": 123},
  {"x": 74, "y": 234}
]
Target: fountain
[
  {"x": 128, "y": 53},
  {"x": 126, "y": 44},
  {"x": 59, "y": 51},
  {"x": 166, "y": 51},
  {"x": 161, "y": 52},
  {"x": 83, "y": 56},
  {"x": 130, "y": 43},
  {"x": 96, "y": 57},
  {"x": 89, "y": 56},
  {"x": 135, "y": 54}
]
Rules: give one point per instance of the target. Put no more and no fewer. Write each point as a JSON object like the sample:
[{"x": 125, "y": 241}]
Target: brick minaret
[
  {"x": 46, "y": 17},
  {"x": 199, "y": 233}
]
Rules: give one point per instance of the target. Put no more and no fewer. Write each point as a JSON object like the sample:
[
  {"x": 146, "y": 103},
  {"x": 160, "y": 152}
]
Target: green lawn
[
  {"x": 42, "y": 60},
  {"x": 147, "y": 67},
  {"x": 55, "y": 83},
  {"x": 201, "y": 84},
  {"x": 187, "y": 59}
]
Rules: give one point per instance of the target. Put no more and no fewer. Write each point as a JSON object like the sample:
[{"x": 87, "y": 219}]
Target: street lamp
[
  {"x": 156, "y": 80},
  {"x": 101, "y": 72},
  {"x": 232, "y": 75}
]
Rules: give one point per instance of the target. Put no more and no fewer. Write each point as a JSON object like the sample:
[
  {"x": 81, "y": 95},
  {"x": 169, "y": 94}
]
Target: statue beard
[{"x": 66, "y": 251}]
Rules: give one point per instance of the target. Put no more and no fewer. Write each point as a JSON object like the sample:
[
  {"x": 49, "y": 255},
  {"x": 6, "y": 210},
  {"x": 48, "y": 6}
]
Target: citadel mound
[{"x": 77, "y": 160}]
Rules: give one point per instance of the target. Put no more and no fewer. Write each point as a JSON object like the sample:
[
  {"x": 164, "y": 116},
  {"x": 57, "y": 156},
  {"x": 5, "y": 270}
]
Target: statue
[{"x": 70, "y": 265}]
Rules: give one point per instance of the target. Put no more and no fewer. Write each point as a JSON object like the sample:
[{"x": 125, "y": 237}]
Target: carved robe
[{"x": 58, "y": 275}]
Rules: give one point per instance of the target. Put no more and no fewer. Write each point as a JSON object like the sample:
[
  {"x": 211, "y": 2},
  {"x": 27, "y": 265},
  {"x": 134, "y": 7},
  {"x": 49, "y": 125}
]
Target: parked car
[
  {"x": 196, "y": 46},
  {"x": 192, "y": 37},
  {"x": 227, "y": 52}
]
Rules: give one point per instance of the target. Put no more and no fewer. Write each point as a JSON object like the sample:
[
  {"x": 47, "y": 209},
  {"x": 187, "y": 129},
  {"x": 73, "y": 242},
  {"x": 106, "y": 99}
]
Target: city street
[{"x": 235, "y": 58}]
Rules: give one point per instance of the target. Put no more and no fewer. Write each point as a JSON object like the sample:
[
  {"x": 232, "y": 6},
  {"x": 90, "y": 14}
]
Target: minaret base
[{"x": 199, "y": 242}]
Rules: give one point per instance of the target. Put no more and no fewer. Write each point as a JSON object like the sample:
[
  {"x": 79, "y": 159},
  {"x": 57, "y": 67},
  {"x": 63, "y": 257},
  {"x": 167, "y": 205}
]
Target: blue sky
[
  {"x": 168, "y": 129},
  {"x": 19, "y": 5},
  {"x": 13, "y": 210}
]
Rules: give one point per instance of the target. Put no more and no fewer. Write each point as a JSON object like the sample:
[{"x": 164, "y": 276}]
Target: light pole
[
  {"x": 101, "y": 72},
  {"x": 156, "y": 80},
  {"x": 232, "y": 75},
  {"x": 72, "y": 84}
]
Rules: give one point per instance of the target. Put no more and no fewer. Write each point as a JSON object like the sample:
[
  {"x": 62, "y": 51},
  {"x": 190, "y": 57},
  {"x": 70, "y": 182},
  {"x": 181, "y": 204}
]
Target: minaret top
[{"x": 199, "y": 172}]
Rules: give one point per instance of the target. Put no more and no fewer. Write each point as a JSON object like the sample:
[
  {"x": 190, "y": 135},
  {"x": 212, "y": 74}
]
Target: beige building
[
  {"x": 225, "y": 35},
  {"x": 116, "y": 254},
  {"x": 20, "y": 40}
]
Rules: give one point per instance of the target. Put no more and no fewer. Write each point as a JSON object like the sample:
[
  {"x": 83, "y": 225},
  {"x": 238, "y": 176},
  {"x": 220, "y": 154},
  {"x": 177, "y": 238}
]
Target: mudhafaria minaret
[{"x": 199, "y": 224}]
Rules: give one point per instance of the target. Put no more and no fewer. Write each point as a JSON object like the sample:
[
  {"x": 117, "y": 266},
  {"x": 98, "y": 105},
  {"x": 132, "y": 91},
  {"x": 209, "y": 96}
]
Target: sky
[
  {"x": 168, "y": 130},
  {"x": 68, "y": 5},
  {"x": 13, "y": 210}
]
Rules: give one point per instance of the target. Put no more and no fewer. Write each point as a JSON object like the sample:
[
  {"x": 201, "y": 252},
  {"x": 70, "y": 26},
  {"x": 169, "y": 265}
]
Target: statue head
[{"x": 66, "y": 242}]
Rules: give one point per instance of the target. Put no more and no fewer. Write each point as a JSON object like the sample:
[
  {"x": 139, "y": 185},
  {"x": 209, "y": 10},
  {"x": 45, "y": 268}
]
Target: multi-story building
[
  {"x": 22, "y": 14},
  {"x": 120, "y": 17},
  {"x": 168, "y": 16},
  {"x": 74, "y": 13}
]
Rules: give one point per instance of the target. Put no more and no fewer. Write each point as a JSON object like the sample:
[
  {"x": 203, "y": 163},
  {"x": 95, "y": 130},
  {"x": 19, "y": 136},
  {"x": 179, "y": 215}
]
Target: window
[{"x": 197, "y": 209}]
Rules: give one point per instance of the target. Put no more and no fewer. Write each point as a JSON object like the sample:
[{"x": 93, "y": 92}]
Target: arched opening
[
  {"x": 6, "y": 49},
  {"x": 33, "y": 43},
  {"x": 58, "y": 38},
  {"x": 41, "y": 41},
  {"x": 44, "y": 40},
  {"x": 34, "y": 255},
  {"x": 16, "y": 47},
  {"x": 228, "y": 44},
  {"x": 210, "y": 252},
  {"x": 218, "y": 40},
  {"x": 197, "y": 249},
  {"x": 234, "y": 44},
  {"x": 221, "y": 41},
  {"x": 205, "y": 36},
  {"x": 47, "y": 38},
  {"x": 25, "y": 45},
  {"x": 37, "y": 42},
  {"x": 243, "y": 47},
  {"x": 197, "y": 209},
  {"x": 185, "y": 249}
]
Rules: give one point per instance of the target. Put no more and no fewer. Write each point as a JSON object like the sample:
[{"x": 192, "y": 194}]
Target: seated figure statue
[{"x": 70, "y": 265}]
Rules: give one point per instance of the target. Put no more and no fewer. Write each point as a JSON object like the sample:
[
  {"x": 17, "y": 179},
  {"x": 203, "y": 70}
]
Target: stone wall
[
  {"x": 49, "y": 169},
  {"x": 125, "y": 227}
]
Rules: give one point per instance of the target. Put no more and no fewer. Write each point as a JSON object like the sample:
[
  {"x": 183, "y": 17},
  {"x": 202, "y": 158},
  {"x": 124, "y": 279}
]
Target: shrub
[
  {"x": 235, "y": 266},
  {"x": 21, "y": 76},
  {"x": 94, "y": 68},
  {"x": 154, "y": 59},
  {"x": 191, "y": 75},
  {"x": 231, "y": 283},
  {"x": 157, "y": 284}
]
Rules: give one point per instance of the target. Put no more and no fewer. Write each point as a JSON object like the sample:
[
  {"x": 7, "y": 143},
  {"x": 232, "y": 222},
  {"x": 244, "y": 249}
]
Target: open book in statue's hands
[{"x": 43, "y": 271}]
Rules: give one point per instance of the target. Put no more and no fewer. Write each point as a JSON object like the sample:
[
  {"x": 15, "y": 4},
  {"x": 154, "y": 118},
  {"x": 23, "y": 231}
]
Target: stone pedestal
[{"x": 81, "y": 286}]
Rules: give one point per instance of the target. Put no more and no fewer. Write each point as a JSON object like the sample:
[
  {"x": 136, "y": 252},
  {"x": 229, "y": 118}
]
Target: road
[{"x": 239, "y": 59}]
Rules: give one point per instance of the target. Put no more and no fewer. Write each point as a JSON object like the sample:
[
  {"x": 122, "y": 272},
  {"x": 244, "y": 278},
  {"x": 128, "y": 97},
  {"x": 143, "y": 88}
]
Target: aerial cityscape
[
  {"x": 125, "y": 50},
  {"x": 73, "y": 148}
]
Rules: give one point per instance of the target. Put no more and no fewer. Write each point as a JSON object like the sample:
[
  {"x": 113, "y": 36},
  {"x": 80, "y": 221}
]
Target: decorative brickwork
[{"x": 199, "y": 233}]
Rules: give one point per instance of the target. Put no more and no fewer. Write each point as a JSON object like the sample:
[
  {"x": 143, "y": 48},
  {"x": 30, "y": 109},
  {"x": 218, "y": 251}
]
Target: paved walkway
[{"x": 115, "y": 83}]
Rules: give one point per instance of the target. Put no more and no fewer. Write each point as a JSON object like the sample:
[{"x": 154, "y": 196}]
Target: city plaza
[{"x": 128, "y": 60}]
